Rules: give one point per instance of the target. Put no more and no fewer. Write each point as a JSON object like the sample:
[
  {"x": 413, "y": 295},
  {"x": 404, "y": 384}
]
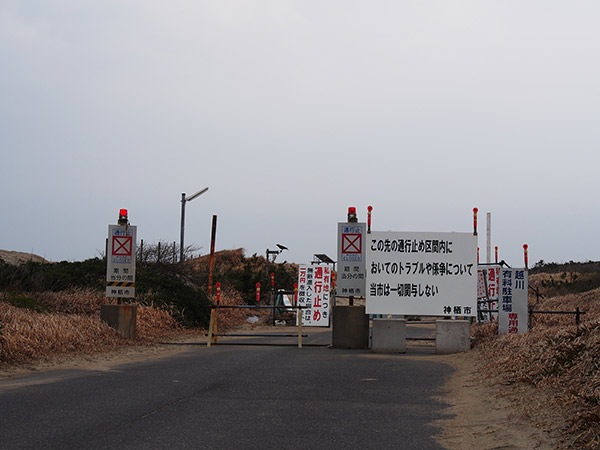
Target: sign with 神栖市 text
[
  {"x": 351, "y": 259},
  {"x": 313, "y": 294},
  {"x": 426, "y": 274},
  {"x": 120, "y": 261},
  {"x": 512, "y": 308}
]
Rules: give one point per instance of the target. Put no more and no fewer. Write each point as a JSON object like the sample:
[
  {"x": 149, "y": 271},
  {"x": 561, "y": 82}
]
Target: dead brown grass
[
  {"x": 27, "y": 336},
  {"x": 557, "y": 359},
  {"x": 74, "y": 301},
  {"x": 73, "y": 326},
  {"x": 231, "y": 318}
]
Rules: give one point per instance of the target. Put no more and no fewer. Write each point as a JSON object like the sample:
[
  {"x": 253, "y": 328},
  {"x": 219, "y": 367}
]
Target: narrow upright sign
[
  {"x": 313, "y": 294},
  {"x": 425, "y": 274},
  {"x": 351, "y": 259},
  {"x": 120, "y": 265},
  {"x": 512, "y": 310}
]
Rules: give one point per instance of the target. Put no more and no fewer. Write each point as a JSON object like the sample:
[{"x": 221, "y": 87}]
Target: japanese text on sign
[
  {"x": 314, "y": 294},
  {"x": 488, "y": 276},
  {"x": 512, "y": 310},
  {"x": 120, "y": 267},
  {"x": 421, "y": 273},
  {"x": 351, "y": 259}
]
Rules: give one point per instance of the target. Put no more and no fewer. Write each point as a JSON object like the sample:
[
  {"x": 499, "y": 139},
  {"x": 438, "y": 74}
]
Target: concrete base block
[
  {"x": 350, "y": 327},
  {"x": 122, "y": 318},
  {"x": 452, "y": 336},
  {"x": 389, "y": 336}
]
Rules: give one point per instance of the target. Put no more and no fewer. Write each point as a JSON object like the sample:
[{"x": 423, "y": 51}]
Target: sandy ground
[
  {"x": 488, "y": 414},
  {"x": 484, "y": 414}
]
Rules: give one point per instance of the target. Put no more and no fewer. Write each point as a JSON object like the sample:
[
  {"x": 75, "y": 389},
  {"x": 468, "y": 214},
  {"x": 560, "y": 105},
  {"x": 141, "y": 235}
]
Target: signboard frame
[
  {"x": 421, "y": 273},
  {"x": 513, "y": 302},
  {"x": 351, "y": 267},
  {"x": 120, "y": 261},
  {"x": 314, "y": 294}
]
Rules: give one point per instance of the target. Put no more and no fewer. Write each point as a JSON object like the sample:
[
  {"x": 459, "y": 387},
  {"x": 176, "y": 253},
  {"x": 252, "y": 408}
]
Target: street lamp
[
  {"x": 185, "y": 199},
  {"x": 274, "y": 253}
]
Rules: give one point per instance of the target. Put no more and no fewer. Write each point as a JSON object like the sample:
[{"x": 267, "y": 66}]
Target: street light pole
[{"x": 185, "y": 199}]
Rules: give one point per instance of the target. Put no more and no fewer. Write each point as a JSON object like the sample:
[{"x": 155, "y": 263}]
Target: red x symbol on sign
[
  {"x": 121, "y": 245},
  {"x": 351, "y": 243}
]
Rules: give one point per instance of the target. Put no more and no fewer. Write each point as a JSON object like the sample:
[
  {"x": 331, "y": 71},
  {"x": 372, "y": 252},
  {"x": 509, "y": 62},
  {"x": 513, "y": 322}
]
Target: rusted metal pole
[{"x": 213, "y": 238}]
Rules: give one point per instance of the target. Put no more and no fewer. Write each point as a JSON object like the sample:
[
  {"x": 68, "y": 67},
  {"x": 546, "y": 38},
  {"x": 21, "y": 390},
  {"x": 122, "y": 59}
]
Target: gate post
[{"x": 452, "y": 336}]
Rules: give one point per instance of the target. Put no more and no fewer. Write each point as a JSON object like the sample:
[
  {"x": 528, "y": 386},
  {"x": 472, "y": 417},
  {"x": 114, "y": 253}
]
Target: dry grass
[
  {"x": 27, "y": 336},
  {"x": 74, "y": 301},
  {"x": 231, "y": 318},
  {"x": 73, "y": 326},
  {"x": 559, "y": 360}
]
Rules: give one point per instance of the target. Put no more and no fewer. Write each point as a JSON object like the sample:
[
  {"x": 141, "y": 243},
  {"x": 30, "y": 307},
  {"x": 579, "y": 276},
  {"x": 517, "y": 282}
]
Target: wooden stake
[
  {"x": 210, "y": 326},
  {"x": 300, "y": 329}
]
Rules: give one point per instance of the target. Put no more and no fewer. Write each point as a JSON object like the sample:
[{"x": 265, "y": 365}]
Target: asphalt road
[{"x": 230, "y": 397}]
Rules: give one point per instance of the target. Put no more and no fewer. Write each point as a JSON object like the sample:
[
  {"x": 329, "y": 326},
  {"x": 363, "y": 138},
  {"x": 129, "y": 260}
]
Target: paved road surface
[{"x": 230, "y": 397}]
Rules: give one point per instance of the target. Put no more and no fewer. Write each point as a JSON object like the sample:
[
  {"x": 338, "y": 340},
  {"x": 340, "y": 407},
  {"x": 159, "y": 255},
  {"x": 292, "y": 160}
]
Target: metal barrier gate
[{"x": 212, "y": 337}]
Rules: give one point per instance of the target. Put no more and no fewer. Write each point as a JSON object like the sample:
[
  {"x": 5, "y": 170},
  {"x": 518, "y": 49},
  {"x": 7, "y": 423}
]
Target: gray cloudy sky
[{"x": 291, "y": 111}]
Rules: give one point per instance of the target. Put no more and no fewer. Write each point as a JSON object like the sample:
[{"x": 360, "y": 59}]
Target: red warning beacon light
[
  {"x": 122, "y": 217},
  {"x": 352, "y": 214}
]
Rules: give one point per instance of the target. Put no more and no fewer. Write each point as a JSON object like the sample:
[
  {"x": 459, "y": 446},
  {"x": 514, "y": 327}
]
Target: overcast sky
[{"x": 291, "y": 111}]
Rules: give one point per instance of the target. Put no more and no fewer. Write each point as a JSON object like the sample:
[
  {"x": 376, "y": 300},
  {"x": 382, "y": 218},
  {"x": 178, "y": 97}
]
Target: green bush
[{"x": 22, "y": 301}]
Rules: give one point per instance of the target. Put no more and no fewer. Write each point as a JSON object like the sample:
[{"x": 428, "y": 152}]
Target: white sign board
[
  {"x": 425, "y": 274},
  {"x": 351, "y": 259},
  {"x": 488, "y": 276},
  {"x": 512, "y": 311},
  {"x": 314, "y": 283},
  {"x": 120, "y": 261}
]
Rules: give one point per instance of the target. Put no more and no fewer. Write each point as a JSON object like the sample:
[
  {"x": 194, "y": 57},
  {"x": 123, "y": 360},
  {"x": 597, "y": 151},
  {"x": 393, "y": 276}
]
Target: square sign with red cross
[
  {"x": 122, "y": 245},
  {"x": 351, "y": 260},
  {"x": 120, "y": 265},
  {"x": 351, "y": 243}
]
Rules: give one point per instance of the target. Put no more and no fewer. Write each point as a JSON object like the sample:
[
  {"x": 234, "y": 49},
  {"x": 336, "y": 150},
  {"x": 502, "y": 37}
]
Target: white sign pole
[{"x": 489, "y": 239}]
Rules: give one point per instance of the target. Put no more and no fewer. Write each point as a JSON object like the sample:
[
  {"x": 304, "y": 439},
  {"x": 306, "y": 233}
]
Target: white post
[{"x": 489, "y": 238}]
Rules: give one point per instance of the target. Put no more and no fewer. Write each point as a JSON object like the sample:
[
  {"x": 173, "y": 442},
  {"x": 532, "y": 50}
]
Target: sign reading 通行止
[
  {"x": 313, "y": 294},
  {"x": 120, "y": 261},
  {"x": 351, "y": 259},
  {"x": 488, "y": 276},
  {"x": 512, "y": 307},
  {"x": 425, "y": 274}
]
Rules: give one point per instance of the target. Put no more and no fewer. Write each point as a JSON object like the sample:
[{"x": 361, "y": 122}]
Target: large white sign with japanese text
[
  {"x": 351, "y": 259},
  {"x": 425, "y": 274},
  {"x": 512, "y": 310},
  {"x": 313, "y": 294},
  {"x": 120, "y": 261}
]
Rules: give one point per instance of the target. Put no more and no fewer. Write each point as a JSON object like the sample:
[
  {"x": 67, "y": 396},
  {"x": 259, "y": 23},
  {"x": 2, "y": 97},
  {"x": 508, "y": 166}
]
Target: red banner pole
[
  {"x": 475, "y": 221},
  {"x": 526, "y": 256},
  {"x": 369, "y": 211}
]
